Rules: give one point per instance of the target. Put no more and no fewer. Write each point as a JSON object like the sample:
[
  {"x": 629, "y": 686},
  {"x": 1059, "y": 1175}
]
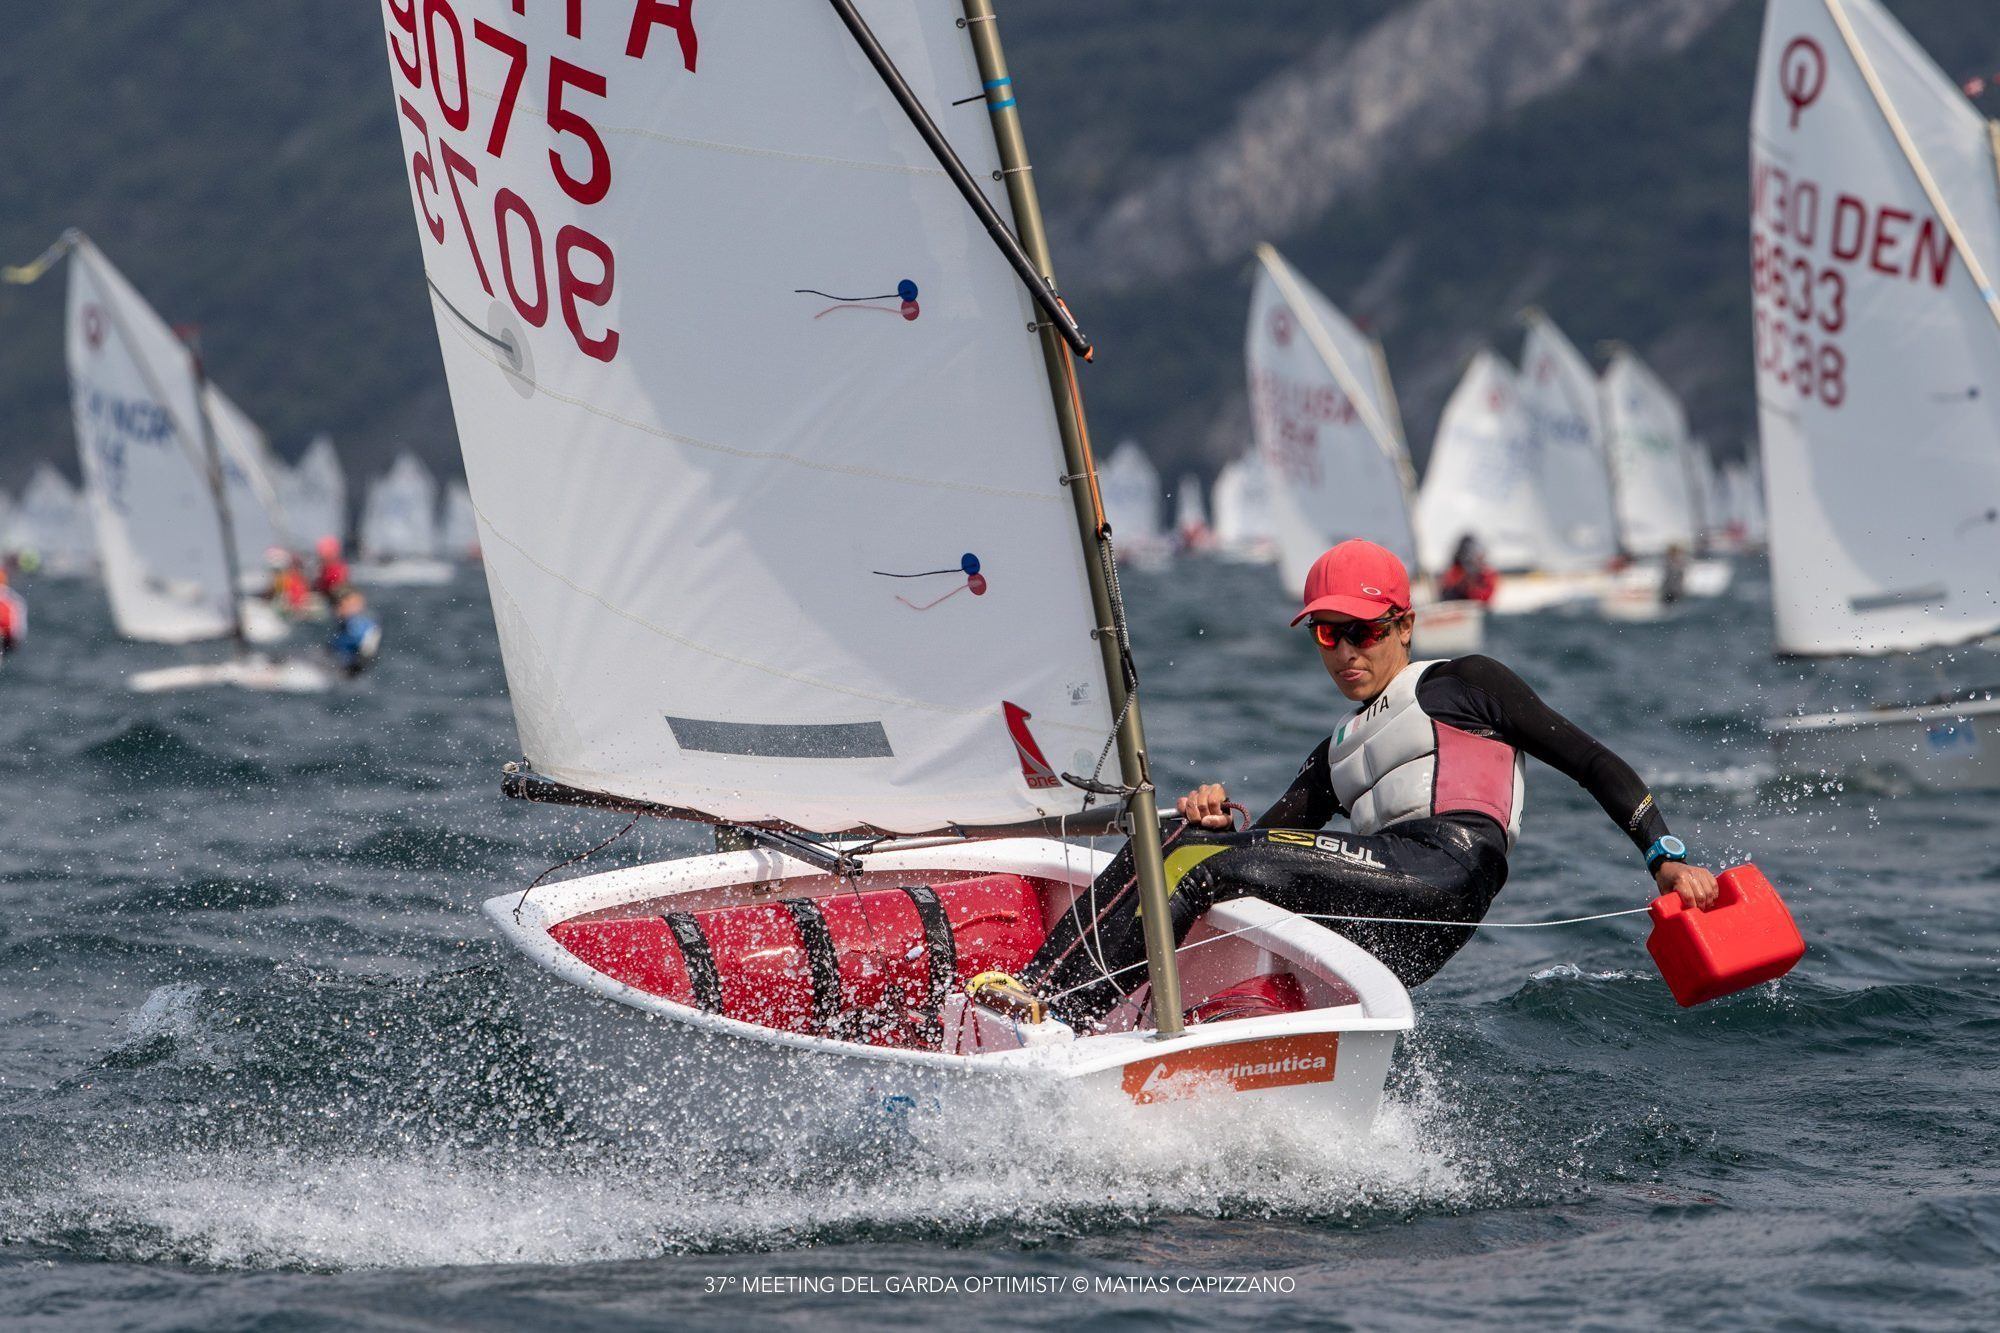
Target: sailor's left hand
[{"x": 1696, "y": 886}]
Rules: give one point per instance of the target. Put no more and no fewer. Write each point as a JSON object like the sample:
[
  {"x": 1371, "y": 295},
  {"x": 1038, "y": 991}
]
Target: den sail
[{"x": 1875, "y": 237}]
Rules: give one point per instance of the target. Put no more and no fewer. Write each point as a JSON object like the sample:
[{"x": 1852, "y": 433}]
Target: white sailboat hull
[
  {"x": 415, "y": 572},
  {"x": 1633, "y": 595},
  {"x": 1523, "y": 594},
  {"x": 1709, "y": 577},
  {"x": 1949, "y": 747},
  {"x": 1450, "y": 629},
  {"x": 282, "y": 676},
  {"x": 1633, "y": 604},
  {"x": 635, "y": 1063}
]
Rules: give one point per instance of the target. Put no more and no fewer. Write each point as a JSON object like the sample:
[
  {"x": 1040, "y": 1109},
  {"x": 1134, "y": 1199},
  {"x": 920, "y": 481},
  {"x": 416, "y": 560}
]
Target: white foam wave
[
  {"x": 252, "y": 1208},
  {"x": 1571, "y": 972},
  {"x": 168, "y": 1011}
]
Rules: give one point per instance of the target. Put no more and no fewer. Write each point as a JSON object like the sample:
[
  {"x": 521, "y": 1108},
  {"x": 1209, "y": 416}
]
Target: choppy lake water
[{"x": 257, "y": 1069}]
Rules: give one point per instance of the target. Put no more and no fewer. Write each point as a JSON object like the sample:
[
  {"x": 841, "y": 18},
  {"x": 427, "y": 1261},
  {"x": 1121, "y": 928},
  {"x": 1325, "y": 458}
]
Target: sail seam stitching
[
  {"x": 795, "y": 677},
  {"x": 762, "y": 455}
]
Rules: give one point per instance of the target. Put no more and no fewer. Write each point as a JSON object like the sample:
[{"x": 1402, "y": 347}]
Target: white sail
[
  {"x": 1742, "y": 504},
  {"x": 249, "y": 473},
  {"x": 1647, "y": 432},
  {"x": 399, "y": 519},
  {"x": 1324, "y": 424},
  {"x": 763, "y": 449},
  {"x": 1130, "y": 486},
  {"x": 1482, "y": 477},
  {"x": 1875, "y": 236},
  {"x": 315, "y": 494},
  {"x": 1190, "y": 512},
  {"x": 1705, "y": 484},
  {"x": 458, "y": 526},
  {"x": 1241, "y": 502},
  {"x": 1559, "y": 390},
  {"x": 139, "y": 435},
  {"x": 52, "y": 521}
]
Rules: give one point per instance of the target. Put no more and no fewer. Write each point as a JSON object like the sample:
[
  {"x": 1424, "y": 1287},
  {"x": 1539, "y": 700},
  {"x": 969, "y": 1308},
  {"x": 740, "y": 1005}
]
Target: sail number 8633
[{"x": 1795, "y": 338}]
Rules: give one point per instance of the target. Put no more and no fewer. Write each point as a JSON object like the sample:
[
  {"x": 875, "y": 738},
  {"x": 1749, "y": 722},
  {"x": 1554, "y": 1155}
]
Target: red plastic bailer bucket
[{"x": 1747, "y": 938}]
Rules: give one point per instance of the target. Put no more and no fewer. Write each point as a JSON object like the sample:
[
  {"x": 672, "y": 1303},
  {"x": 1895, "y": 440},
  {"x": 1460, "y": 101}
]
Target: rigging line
[
  {"x": 1091, "y": 938},
  {"x": 536, "y": 883},
  {"x": 814, "y": 291},
  {"x": 513, "y": 352},
  {"x": 1386, "y": 920},
  {"x": 1003, "y": 237},
  {"x": 955, "y": 569},
  {"x": 1886, "y": 105}
]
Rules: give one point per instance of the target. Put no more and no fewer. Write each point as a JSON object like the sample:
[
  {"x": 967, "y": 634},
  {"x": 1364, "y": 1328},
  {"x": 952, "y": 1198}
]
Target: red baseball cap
[{"x": 1358, "y": 579}]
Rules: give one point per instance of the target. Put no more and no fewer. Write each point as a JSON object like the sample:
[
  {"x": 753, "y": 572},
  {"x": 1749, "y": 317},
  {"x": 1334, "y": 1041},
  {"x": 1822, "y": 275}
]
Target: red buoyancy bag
[
  {"x": 873, "y": 967},
  {"x": 1254, "y": 997},
  {"x": 1748, "y": 937}
]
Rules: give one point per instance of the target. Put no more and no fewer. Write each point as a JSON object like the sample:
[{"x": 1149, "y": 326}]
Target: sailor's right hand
[{"x": 1204, "y": 806}]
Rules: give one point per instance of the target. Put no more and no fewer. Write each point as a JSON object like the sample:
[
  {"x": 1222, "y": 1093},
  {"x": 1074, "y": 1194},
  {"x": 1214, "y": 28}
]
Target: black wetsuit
[{"x": 1438, "y": 868}]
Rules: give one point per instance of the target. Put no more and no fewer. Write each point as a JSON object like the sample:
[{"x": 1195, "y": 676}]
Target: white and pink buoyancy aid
[{"x": 1393, "y": 762}]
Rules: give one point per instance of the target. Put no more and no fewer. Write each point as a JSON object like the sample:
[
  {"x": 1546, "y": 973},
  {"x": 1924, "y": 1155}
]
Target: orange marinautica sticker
[{"x": 1275, "y": 1062}]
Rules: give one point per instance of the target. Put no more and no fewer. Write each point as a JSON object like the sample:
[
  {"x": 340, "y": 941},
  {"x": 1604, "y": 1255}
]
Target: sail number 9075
[{"x": 574, "y": 270}]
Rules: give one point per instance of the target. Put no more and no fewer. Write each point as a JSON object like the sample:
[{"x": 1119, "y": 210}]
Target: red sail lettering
[
  {"x": 675, "y": 14},
  {"x": 1777, "y": 189},
  {"x": 1887, "y": 240},
  {"x": 1850, "y": 228},
  {"x": 1933, "y": 248},
  {"x": 1805, "y": 212}
]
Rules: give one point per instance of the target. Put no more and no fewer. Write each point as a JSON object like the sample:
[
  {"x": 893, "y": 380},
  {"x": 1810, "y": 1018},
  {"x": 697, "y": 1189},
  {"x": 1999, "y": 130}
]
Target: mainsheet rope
[{"x": 1376, "y": 920}]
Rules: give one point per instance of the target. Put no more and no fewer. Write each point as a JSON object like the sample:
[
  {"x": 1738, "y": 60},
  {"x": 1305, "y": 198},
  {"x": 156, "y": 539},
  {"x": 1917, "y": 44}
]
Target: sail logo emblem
[
  {"x": 1035, "y": 767},
  {"x": 1801, "y": 74},
  {"x": 968, "y": 565},
  {"x": 1281, "y": 327},
  {"x": 93, "y": 326},
  {"x": 1248, "y": 1066},
  {"x": 905, "y": 297}
]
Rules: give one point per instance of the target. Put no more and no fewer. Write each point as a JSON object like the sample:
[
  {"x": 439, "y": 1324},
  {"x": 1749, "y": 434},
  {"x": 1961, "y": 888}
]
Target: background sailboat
[
  {"x": 1242, "y": 505},
  {"x": 1482, "y": 477},
  {"x": 1326, "y": 425},
  {"x": 51, "y": 527},
  {"x": 1742, "y": 507},
  {"x": 458, "y": 525},
  {"x": 263, "y": 531},
  {"x": 314, "y": 491},
  {"x": 808, "y": 557},
  {"x": 398, "y": 534},
  {"x": 1191, "y": 530},
  {"x": 1133, "y": 495},
  {"x": 1873, "y": 199},
  {"x": 1572, "y": 476},
  {"x": 154, "y": 472},
  {"x": 1653, "y": 475}
]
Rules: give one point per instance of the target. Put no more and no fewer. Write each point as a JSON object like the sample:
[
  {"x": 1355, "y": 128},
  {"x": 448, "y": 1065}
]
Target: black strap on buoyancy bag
[
  {"x": 824, "y": 962},
  {"x": 941, "y": 950},
  {"x": 700, "y": 959}
]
